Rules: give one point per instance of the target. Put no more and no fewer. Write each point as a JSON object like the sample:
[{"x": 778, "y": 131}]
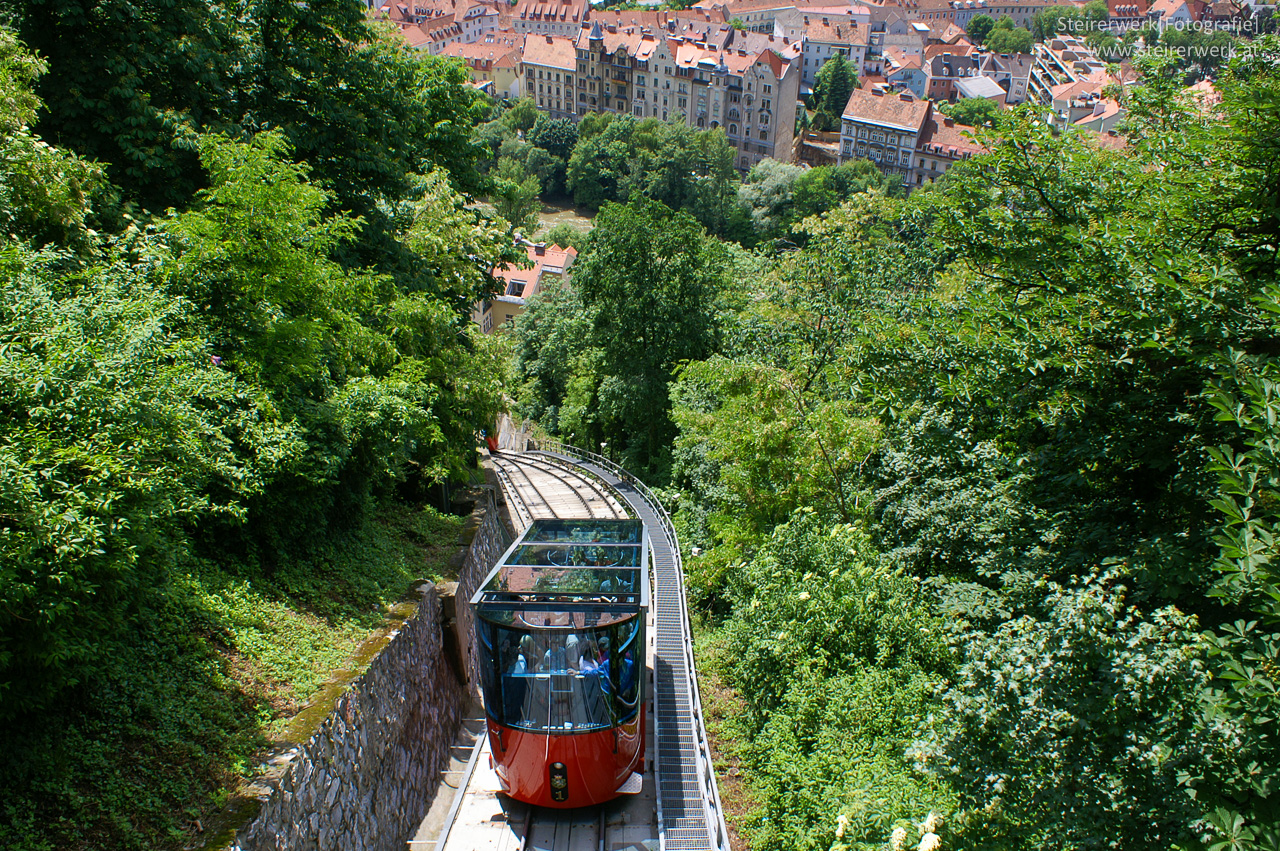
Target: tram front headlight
[{"x": 558, "y": 776}]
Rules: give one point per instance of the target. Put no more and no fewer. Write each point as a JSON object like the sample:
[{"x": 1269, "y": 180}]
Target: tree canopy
[{"x": 836, "y": 80}]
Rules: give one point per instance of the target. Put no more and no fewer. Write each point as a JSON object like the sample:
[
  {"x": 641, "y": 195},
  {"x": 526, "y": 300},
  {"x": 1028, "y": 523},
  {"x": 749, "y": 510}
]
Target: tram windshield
[{"x": 563, "y": 679}]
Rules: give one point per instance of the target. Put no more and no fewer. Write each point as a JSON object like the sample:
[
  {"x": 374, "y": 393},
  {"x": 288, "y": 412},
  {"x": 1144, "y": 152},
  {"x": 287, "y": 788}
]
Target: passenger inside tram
[{"x": 574, "y": 684}]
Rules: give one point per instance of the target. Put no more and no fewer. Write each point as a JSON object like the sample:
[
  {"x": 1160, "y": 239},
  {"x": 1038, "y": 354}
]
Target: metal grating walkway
[{"x": 689, "y": 815}]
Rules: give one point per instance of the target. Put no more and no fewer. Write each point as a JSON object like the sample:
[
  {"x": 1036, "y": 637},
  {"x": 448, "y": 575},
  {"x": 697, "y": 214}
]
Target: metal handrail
[{"x": 711, "y": 791}]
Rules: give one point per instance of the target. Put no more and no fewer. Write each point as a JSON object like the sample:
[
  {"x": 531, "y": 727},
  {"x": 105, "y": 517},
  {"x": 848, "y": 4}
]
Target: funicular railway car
[{"x": 560, "y": 626}]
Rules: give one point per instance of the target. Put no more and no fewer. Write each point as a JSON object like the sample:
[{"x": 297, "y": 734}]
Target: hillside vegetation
[
  {"x": 983, "y": 480},
  {"x": 235, "y": 357}
]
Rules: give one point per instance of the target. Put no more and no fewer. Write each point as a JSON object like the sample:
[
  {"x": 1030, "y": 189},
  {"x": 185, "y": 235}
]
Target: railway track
[
  {"x": 538, "y": 489},
  {"x": 678, "y": 806},
  {"x": 551, "y": 830}
]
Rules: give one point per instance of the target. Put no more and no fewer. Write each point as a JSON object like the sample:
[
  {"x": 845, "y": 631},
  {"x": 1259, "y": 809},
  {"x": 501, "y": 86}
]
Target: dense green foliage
[
  {"x": 979, "y": 27},
  {"x": 211, "y": 418},
  {"x": 972, "y": 112},
  {"x": 836, "y": 80},
  {"x": 621, "y": 158},
  {"x": 1006, "y": 38},
  {"x": 609, "y": 158},
  {"x": 984, "y": 481},
  {"x": 593, "y": 362},
  {"x": 1033, "y": 403},
  {"x": 778, "y": 196}
]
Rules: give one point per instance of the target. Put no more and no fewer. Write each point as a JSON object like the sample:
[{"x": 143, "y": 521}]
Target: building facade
[
  {"x": 550, "y": 17},
  {"x": 885, "y": 128}
]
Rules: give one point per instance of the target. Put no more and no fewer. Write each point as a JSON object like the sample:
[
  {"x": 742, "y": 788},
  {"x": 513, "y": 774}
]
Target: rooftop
[{"x": 901, "y": 111}]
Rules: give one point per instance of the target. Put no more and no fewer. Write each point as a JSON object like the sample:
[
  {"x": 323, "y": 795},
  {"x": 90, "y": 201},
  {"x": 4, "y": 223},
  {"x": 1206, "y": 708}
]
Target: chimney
[
  {"x": 540, "y": 249},
  {"x": 548, "y": 39},
  {"x": 948, "y": 122}
]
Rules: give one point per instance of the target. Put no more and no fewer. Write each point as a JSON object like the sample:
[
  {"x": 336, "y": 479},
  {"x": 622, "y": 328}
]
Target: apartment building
[
  {"x": 476, "y": 20},
  {"x": 941, "y": 144},
  {"x": 885, "y": 128},
  {"x": 791, "y": 23},
  {"x": 1063, "y": 59},
  {"x": 550, "y": 17},
  {"x": 547, "y": 263},
  {"x": 709, "y": 77},
  {"x": 945, "y": 64},
  {"x": 1013, "y": 72},
  {"x": 547, "y": 63},
  {"x": 494, "y": 59},
  {"x": 948, "y": 67},
  {"x": 823, "y": 38},
  {"x": 1021, "y": 11},
  {"x": 904, "y": 73}
]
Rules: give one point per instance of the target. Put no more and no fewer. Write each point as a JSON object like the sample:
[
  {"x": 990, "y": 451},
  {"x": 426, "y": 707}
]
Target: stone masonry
[{"x": 366, "y": 778}]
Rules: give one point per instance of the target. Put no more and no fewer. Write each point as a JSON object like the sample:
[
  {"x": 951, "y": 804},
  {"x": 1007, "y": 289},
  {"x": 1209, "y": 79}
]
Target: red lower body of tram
[{"x": 565, "y": 769}]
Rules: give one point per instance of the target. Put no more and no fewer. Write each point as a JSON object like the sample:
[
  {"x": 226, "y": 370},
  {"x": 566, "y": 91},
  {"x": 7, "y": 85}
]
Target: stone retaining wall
[
  {"x": 491, "y": 539},
  {"x": 367, "y": 776},
  {"x": 365, "y": 779}
]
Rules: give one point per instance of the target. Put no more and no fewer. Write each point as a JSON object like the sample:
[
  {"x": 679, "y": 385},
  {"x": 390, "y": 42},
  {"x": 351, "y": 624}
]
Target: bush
[
  {"x": 1069, "y": 724},
  {"x": 836, "y": 660}
]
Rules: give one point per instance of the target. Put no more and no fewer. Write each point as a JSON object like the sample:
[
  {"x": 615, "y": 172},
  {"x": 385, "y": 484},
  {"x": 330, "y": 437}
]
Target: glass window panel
[{"x": 561, "y": 680}]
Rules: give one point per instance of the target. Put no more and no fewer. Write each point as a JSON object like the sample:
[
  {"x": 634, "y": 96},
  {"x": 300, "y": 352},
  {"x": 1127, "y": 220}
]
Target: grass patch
[
  {"x": 142, "y": 755},
  {"x": 720, "y": 705}
]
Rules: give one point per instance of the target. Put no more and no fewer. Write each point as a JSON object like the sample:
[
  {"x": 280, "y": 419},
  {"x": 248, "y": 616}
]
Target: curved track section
[
  {"x": 538, "y": 488},
  {"x": 483, "y": 819}
]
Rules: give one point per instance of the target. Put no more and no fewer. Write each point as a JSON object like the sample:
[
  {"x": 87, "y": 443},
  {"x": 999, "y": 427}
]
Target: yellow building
[{"x": 548, "y": 263}]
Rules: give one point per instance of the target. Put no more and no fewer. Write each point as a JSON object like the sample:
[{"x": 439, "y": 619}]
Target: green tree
[
  {"x": 1004, "y": 38},
  {"x": 619, "y": 158},
  {"x": 979, "y": 27},
  {"x": 835, "y": 81},
  {"x": 649, "y": 277},
  {"x": 44, "y": 191},
  {"x": 566, "y": 235},
  {"x": 768, "y": 190},
  {"x": 1075, "y": 719},
  {"x": 1070, "y": 20},
  {"x": 972, "y": 112},
  {"x": 522, "y": 115},
  {"x": 118, "y": 91},
  {"x": 556, "y": 136},
  {"x": 515, "y": 195}
]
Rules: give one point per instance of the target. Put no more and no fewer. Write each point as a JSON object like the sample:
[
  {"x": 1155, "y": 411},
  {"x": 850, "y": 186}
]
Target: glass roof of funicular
[{"x": 571, "y": 565}]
